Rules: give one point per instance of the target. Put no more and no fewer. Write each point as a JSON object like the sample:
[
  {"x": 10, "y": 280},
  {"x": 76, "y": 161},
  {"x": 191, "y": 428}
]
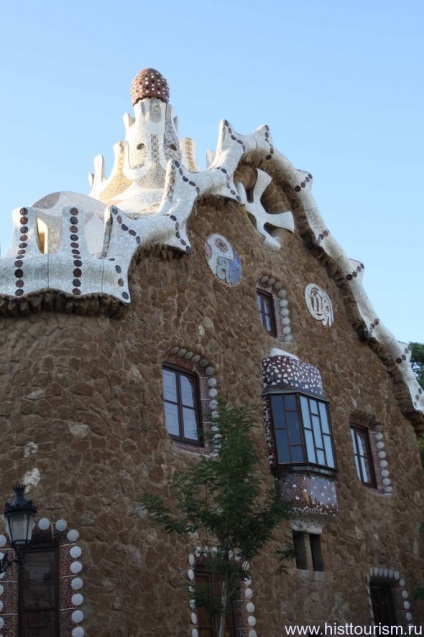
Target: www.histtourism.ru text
[{"x": 352, "y": 629}]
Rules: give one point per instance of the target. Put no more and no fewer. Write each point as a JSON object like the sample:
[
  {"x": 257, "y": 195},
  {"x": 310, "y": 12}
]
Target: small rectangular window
[
  {"x": 38, "y": 592},
  {"x": 308, "y": 552},
  {"x": 300, "y": 550},
  {"x": 316, "y": 552},
  {"x": 266, "y": 311},
  {"x": 181, "y": 404},
  {"x": 362, "y": 455}
]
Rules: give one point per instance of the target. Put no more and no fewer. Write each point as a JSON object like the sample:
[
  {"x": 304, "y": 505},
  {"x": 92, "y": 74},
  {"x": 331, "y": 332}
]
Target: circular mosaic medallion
[
  {"x": 319, "y": 304},
  {"x": 223, "y": 260}
]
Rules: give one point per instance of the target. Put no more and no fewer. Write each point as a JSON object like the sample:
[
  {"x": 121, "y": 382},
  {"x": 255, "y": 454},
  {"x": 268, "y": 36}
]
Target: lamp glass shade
[
  {"x": 19, "y": 517},
  {"x": 19, "y": 526}
]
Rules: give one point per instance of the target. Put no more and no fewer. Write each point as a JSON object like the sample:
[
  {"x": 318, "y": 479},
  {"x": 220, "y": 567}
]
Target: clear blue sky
[{"x": 339, "y": 82}]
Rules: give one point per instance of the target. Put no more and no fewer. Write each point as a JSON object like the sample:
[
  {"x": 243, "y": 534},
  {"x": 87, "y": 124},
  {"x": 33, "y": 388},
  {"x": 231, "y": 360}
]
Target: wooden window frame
[
  {"x": 356, "y": 429},
  {"x": 262, "y": 297},
  {"x": 181, "y": 371},
  {"x": 300, "y": 554},
  {"x": 33, "y": 548},
  {"x": 308, "y": 551},
  {"x": 316, "y": 552},
  {"x": 305, "y": 463}
]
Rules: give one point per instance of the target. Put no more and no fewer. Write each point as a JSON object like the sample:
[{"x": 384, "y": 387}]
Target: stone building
[{"x": 124, "y": 315}]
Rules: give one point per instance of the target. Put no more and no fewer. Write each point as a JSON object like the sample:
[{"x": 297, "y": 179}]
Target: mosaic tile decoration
[
  {"x": 166, "y": 189},
  {"x": 149, "y": 83},
  {"x": 313, "y": 497},
  {"x": 319, "y": 304},
  {"x": 223, "y": 260},
  {"x": 285, "y": 371},
  {"x": 313, "y": 500},
  {"x": 70, "y": 581},
  {"x": 393, "y": 578}
]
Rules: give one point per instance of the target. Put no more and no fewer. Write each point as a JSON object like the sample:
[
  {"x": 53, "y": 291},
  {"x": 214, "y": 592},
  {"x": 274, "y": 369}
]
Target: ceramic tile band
[
  {"x": 382, "y": 462},
  {"x": 64, "y": 537}
]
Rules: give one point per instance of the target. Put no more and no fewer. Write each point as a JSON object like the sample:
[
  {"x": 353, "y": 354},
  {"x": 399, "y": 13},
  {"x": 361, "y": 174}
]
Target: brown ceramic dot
[
  {"x": 121, "y": 282},
  {"x": 74, "y": 244},
  {"x": 77, "y": 272},
  {"x": 73, "y": 221},
  {"x": 73, "y": 229},
  {"x": 19, "y": 264},
  {"x": 19, "y": 283},
  {"x": 19, "y": 292},
  {"x": 76, "y": 283},
  {"x": 76, "y": 291},
  {"x": 19, "y": 274},
  {"x": 74, "y": 211},
  {"x": 23, "y": 221}
]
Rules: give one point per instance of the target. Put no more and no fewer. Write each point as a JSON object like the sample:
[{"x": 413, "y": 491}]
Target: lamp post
[{"x": 19, "y": 517}]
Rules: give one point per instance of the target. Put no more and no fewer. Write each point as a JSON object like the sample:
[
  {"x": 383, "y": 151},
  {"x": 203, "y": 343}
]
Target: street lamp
[{"x": 19, "y": 517}]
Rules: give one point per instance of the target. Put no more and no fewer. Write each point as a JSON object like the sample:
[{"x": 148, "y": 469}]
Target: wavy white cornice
[{"x": 107, "y": 274}]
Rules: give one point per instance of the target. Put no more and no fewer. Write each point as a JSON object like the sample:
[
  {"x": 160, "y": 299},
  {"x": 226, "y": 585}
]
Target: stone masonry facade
[{"x": 82, "y": 422}]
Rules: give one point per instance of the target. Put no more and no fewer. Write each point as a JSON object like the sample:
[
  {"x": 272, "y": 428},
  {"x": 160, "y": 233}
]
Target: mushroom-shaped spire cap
[{"x": 149, "y": 83}]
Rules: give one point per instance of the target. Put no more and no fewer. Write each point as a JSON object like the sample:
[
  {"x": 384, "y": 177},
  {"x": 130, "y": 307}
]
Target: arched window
[
  {"x": 369, "y": 453},
  {"x": 273, "y": 308},
  {"x": 181, "y": 399},
  {"x": 189, "y": 396}
]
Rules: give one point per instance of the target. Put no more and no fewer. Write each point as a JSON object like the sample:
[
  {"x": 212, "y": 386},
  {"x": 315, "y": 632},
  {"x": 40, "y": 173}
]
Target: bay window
[{"x": 302, "y": 431}]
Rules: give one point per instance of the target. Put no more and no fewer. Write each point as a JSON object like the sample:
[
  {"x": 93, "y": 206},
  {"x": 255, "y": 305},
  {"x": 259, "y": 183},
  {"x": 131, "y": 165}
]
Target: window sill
[{"x": 326, "y": 472}]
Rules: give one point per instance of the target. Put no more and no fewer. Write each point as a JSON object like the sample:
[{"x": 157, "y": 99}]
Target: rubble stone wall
[{"x": 81, "y": 402}]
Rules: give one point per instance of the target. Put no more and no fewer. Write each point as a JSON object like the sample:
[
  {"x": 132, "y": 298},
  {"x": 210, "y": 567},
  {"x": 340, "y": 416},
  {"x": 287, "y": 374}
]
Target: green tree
[
  {"x": 417, "y": 361},
  {"x": 221, "y": 502},
  {"x": 417, "y": 364}
]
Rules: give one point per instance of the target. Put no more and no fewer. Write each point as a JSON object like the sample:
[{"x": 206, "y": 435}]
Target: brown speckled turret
[{"x": 149, "y": 83}]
